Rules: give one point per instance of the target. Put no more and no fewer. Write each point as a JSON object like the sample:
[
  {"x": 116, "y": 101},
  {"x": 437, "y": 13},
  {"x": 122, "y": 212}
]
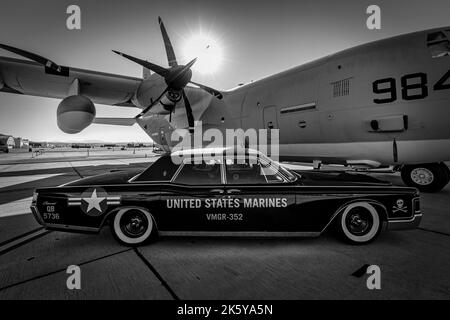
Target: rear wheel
[
  {"x": 359, "y": 223},
  {"x": 429, "y": 177},
  {"x": 132, "y": 226}
]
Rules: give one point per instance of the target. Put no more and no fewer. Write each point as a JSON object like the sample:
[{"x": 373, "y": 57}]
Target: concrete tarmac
[{"x": 414, "y": 264}]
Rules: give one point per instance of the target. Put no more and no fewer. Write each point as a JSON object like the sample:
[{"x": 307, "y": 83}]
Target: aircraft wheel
[
  {"x": 430, "y": 177},
  {"x": 360, "y": 223},
  {"x": 133, "y": 226}
]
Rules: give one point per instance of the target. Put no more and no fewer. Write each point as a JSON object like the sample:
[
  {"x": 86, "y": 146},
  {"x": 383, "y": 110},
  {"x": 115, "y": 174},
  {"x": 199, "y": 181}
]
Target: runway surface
[{"x": 414, "y": 264}]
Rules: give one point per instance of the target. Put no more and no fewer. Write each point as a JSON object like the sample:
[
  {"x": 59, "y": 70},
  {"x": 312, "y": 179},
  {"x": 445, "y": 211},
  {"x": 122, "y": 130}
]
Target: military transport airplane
[{"x": 382, "y": 103}]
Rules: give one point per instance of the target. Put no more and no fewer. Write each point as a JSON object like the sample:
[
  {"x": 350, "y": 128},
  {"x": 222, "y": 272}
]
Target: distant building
[
  {"x": 26, "y": 143},
  {"x": 18, "y": 143},
  {"x": 6, "y": 143}
]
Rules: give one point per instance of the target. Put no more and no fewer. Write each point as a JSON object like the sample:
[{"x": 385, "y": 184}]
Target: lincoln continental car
[{"x": 227, "y": 193}]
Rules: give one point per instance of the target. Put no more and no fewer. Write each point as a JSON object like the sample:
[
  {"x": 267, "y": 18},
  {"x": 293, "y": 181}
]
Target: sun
[{"x": 207, "y": 50}]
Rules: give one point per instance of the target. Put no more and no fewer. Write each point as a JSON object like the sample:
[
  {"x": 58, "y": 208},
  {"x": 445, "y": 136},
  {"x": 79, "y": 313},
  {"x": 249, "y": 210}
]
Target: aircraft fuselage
[{"x": 387, "y": 102}]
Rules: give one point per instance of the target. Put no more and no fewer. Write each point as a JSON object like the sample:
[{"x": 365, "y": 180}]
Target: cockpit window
[{"x": 438, "y": 44}]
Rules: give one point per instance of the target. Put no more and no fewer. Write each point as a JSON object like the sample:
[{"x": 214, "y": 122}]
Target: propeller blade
[
  {"x": 190, "y": 116},
  {"x": 152, "y": 104},
  {"x": 151, "y": 66},
  {"x": 41, "y": 60},
  {"x": 190, "y": 64},
  {"x": 169, "y": 48},
  {"x": 210, "y": 90}
]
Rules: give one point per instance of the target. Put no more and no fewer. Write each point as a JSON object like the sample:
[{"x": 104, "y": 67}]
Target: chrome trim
[
  {"x": 37, "y": 215},
  {"x": 69, "y": 227},
  {"x": 135, "y": 177},
  {"x": 223, "y": 172},
  {"x": 341, "y": 208},
  {"x": 414, "y": 204},
  {"x": 175, "y": 175},
  {"x": 412, "y": 223},
  {"x": 239, "y": 233}
]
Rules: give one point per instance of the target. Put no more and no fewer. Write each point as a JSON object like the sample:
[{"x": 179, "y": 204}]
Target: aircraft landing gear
[{"x": 429, "y": 177}]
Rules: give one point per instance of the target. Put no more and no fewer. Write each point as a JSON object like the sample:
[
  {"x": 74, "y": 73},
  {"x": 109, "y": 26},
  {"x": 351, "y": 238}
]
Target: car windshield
[{"x": 267, "y": 162}]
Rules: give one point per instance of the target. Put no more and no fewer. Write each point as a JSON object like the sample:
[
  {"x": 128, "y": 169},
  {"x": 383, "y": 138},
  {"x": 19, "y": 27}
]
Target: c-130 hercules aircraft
[{"x": 378, "y": 104}]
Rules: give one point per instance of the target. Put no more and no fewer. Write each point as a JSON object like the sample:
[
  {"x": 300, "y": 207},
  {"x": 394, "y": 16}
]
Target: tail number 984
[{"x": 413, "y": 86}]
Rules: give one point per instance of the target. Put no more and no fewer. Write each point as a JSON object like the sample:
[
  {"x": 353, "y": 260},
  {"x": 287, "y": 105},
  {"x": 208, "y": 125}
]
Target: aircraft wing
[{"x": 31, "y": 78}]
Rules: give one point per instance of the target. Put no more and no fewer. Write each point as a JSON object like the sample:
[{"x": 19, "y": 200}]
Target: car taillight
[{"x": 34, "y": 199}]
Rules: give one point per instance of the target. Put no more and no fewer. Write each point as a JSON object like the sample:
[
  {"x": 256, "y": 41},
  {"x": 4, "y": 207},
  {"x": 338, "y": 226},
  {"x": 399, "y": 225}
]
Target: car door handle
[
  {"x": 233, "y": 191},
  {"x": 219, "y": 191}
]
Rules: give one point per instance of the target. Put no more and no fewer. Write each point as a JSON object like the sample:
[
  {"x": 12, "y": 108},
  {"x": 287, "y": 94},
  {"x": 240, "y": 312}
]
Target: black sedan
[{"x": 222, "y": 193}]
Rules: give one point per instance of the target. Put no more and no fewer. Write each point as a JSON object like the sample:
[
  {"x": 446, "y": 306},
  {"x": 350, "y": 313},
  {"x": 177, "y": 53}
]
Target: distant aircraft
[{"x": 382, "y": 103}]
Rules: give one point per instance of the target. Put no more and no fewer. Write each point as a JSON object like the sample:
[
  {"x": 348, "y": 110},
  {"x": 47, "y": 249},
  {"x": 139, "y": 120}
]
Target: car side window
[
  {"x": 204, "y": 172},
  {"x": 251, "y": 172},
  {"x": 162, "y": 169}
]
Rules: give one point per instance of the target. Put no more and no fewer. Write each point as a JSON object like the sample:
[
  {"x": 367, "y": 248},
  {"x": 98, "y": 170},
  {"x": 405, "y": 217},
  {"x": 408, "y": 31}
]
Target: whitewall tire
[
  {"x": 132, "y": 226},
  {"x": 360, "y": 223}
]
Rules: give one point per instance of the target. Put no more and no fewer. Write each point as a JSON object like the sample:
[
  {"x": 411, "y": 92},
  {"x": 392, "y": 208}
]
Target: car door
[
  {"x": 266, "y": 198},
  {"x": 188, "y": 200}
]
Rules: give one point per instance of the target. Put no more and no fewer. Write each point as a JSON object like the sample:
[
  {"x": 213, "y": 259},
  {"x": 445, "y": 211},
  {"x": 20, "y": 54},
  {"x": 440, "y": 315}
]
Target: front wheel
[
  {"x": 359, "y": 223},
  {"x": 132, "y": 226},
  {"x": 430, "y": 177}
]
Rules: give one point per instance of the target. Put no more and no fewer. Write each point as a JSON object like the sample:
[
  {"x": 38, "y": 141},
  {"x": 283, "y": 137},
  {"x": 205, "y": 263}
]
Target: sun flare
[{"x": 208, "y": 52}]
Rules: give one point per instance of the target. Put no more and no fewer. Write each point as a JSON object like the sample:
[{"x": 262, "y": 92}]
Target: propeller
[
  {"x": 172, "y": 60},
  {"x": 176, "y": 77},
  {"x": 32, "y": 56}
]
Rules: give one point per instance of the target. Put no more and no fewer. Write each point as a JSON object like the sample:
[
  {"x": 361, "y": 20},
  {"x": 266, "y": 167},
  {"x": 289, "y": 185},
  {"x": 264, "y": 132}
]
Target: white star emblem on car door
[{"x": 94, "y": 201}]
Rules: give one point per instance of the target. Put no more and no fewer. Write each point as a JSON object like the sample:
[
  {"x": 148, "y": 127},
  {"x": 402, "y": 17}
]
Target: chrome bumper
[
  {"x": 36, "y": 215},
  {"x": 405, "y": 224}
]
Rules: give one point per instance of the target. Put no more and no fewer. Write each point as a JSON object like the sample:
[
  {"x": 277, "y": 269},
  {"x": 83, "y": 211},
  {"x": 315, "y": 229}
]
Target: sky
[{"x": 257, "y": 39}]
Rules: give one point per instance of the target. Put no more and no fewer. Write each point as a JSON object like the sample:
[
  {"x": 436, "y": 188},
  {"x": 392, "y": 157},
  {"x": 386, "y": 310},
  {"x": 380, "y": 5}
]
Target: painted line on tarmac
[
  {"x": 433, "y": 231},
  {"x": 15, "y": 208},
  {"x": 76, "y": 170},
  {"x": 22, "y": 240},
  {"x": 20, "y": 236},
  {"x": 156, "y": 273},
  {"x": 61, "y": 270}
]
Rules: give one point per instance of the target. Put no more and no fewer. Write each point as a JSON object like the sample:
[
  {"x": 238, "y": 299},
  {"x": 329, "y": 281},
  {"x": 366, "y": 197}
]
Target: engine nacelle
[
  {"x": 150, "y": 89},
  {"x": 75, "y": 113}
]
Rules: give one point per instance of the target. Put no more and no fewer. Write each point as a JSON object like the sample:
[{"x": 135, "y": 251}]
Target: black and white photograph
[{"x": 224, "y": 156}]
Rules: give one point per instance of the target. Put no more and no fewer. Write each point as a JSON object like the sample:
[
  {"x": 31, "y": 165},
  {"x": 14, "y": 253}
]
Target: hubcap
[
  {"x": 359, "y": 221},
  {"x": 134, "y": 223},
  {"x": 422, "y": 176}
]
